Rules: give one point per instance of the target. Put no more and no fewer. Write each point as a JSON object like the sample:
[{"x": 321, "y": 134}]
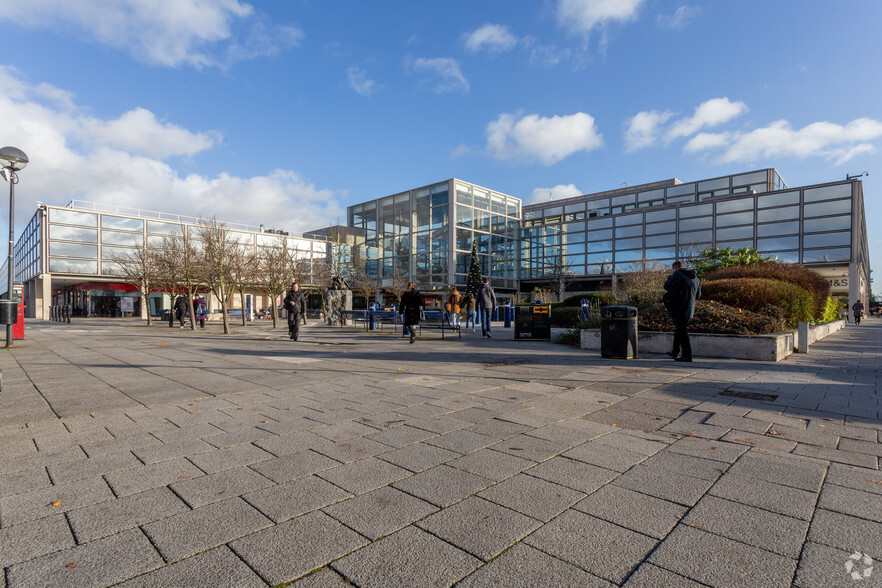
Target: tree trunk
[
  {"x": 242, "y": 299},
  {"x": 192, "y": 314},
  {"x": 275, "y": 314},
  {"x": 225, "y": 317}
]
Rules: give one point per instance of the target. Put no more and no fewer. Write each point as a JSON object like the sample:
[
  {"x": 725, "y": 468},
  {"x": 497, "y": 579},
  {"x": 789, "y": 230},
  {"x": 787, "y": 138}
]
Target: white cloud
[
  {"x": 583, "y": 16},
  {"x": 361, "y": 83},
  {"x": 779, "y": 139},
  {"x": 545, "y": 55},
  {"x": 647, "y": 128},
  {"x": 122, "y": 161},
  {"x": 547, "y": 140},
  {"x": 680, "y": 19},
  {"x": 170, "y": 33},
  {"x": 644, "y": 128},
  {"x": 490, "y": 38},
  {"x": 447, "y": 76},
  {"x": 556, "y": 193},
  {"x": 708, "y": 114}
]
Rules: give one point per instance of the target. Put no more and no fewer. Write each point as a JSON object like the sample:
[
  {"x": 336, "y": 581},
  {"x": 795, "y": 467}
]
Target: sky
[{"x": 285, "y": 112}]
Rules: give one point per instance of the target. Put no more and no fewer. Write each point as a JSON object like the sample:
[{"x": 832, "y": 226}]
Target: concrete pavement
[{"x": 163, "y": 457}]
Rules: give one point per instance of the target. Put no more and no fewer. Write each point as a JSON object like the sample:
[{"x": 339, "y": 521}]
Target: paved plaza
[{"x": 150, "y": 456}]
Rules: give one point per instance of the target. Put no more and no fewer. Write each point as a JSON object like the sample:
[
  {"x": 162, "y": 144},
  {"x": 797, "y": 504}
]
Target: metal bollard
[{"x": 68, "y": 310}]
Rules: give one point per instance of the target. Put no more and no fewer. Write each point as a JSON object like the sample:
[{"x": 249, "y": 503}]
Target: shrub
[
  {"x": 565, "y": 316},
  {"x": 713, "y": 317},
  {"x": 788, "y": 272},
  {"x": 597, "y": 299},
  {"x": 755, "y": 294},
  {"x": 831, "y": 311},
  {"x": 714, "y": 259},
  {"x": 572, "y": 337}
]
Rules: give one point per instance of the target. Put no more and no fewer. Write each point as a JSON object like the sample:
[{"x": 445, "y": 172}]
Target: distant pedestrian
[
  {"x": 453, "y": 307},
  {"x": 409, "y": 307},
  {"x": 858, "y": 309},
  {"x": 470, "y": 306},
  {"x": 682, "y": 288},
  {"x": 201, "y": 310},
  {"x": 486, "y": 305},
  {"x": 180, "y": 309},
  {"x": 295, "y": 304}
]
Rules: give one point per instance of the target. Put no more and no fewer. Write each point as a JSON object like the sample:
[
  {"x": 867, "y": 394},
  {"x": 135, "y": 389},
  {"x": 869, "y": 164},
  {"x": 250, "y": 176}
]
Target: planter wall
[{"x": 772, "y": 347}]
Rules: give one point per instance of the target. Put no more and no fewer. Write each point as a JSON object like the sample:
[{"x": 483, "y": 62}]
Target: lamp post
[{"x": 12, "y": 160}]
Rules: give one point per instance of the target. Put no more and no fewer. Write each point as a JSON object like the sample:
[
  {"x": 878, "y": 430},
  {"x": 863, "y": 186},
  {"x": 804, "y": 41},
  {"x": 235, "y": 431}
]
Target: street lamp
[{"x": 12, "y": 160}]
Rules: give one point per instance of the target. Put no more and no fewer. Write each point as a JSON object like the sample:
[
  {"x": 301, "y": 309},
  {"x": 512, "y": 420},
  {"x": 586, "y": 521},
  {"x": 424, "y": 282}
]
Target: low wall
[{"x": 772, "y": 347}]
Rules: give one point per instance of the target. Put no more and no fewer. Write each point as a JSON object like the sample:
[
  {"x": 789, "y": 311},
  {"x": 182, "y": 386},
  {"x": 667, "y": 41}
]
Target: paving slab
[
  {"x": 380, "y": 512},
  {"x": 639, "y": 512},
  {"x": 294, "y": 548},
  {"x": 479, "y": 527},
  {"x": 523, "y": 566},
  {"x": 534, "y": 497},
  {"x": 291, "y": 499},
  {"x": 443, "y": 485}
]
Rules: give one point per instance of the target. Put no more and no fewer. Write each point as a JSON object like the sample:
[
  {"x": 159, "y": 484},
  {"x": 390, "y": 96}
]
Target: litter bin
[
  {"x": 532, "y": 323},
  {"x": 8, "y": 312},
  {"x": 618, "y": 332}
]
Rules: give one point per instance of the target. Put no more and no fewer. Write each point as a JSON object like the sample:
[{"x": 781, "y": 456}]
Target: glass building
[
  {"x": 65, "y": 256},
  {"x": 598, "y": 237},
  {"x": 426, "y": 234}
]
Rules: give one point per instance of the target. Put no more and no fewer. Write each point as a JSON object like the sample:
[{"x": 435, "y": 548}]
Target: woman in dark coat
[{"x": 411, "y": 301}]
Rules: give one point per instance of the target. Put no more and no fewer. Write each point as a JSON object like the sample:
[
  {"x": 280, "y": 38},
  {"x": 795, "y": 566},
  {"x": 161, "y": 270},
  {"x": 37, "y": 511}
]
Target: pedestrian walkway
[{"x": 149, "y": 456}]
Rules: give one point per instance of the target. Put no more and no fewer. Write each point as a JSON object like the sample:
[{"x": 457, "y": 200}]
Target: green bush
[
  {"x": 713, "y": 317},
  {"x": 714, "y": 259},
  {"x": 755, "y": 294},
  {"x": 571, "y": 337},
  {"x": 565, "y": 316},
  {"x": 597, "y": 299},
  {"x": 794, "y": 274},
  {"x": 831, "y": 311}
]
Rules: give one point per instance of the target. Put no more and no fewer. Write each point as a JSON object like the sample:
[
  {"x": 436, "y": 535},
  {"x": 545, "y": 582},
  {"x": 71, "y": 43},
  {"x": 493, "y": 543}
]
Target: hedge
[
  {"x": 713, "y": 317},
  {"x": 802, "y": 277},
  {"x": 755, "y": 294}
]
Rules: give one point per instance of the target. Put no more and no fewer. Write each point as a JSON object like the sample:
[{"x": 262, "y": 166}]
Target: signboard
[
  {"x": 837, "y": 277},
  {"x": 127, "y": 304},
  {"x": 532, "y": 323}
]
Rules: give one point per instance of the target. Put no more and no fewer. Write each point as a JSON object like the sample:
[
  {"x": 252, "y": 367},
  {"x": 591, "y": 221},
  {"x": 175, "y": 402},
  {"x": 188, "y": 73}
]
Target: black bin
[
  {"x": 8, "y": 312},
  {"x": 618, "y": 332}
]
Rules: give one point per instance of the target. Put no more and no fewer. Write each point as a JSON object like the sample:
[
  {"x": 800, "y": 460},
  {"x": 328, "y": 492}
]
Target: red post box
[{"x": 18, "y": 327}]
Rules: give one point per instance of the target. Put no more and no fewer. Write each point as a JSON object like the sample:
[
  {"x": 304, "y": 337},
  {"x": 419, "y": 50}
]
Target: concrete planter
[{"x": 772, "y": 347}]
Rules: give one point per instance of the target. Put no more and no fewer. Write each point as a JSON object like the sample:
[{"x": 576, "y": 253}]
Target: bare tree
[
  {"x": 362, "y": 279},
  {"x": 169, "y": 270},
  {"x": 220, "y": 246},
  {"x": 396, "y": 284},
  {"x": 243, "y": 272},
  {"x": 139, "y": 267},
  {"x": 557, "y": 275},
  {"x": 273, "y": 276}
]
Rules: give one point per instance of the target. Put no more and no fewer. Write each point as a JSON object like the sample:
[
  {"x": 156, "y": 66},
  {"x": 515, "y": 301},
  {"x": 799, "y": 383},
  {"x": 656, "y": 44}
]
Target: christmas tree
[{"x": 474, "y": 280}]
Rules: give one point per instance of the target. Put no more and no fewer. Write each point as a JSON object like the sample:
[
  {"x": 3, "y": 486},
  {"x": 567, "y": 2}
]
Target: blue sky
[{"x": 285, "y": 112}]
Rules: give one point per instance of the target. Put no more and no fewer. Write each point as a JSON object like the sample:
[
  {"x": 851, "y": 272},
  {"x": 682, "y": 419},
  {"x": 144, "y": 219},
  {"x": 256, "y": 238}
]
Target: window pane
[
  {"x": 827, "y": 208},
  {"x": 656, "y": 228},
  {"x": 784, "y": 256},
  {"x": 629, "y": 219},
  {"x": 713, "y": 184},
  {"x": 661, "y": 254},
  {"x": 753, "y": 178},
  {"x": 439, "y": 194},
  {"x": 117, "y": 238},
  {"x": 629, "y": 243},
  {"x": 736, "y": 233},
  {"x": 113, "y": 252},
  {"x": 697, "y": 210},
  {"x": 826, "y": 255},
  {"x": 827, "y": 239},
  {"x": 119, "y": 222},
  {"x": 779, "y": 243},
  {"x": 681, "y": 190},
  {"x": 600, "y": 246},
  {"x": 463, "y": 240},
  {"x": 601, "y": 223},
  {"x": 625, "y": 256},
  {"x": 651, "y": 195},
  {"x": 832, "y": 223},
  {"x": 463, "y": 216},
  {"x": 603, "y": 235},
  {"x": 439, "y": 217},
  {"x": 482, "y": 220},
  {"x": 773, "y": 214},
  {"x": 661, "y": 241},
  {"x": 620, "y": 200},
  {"x": 160, "y": 228},
  {"x": 687, "y": 224},
  {"x": 482, "y": 199},
  {"x": 735, "y": 205},
  {"x": 463, "y": 194},
  {"x": 827, "y": 193},
  {"x": 697, "y": 238},
  {"x": 73, "y": 250},
  {"x": 777, "y": 199},
  {"x": 72, "y": 266},
  {"x": 599, "y": 257},
  {"x": 73, "y": 233},
  {"x": 660, "y": 215},
  {"x": 632, "y": 231},
  {"x": 740, "y": 218},
  {"x": 69, "y": 217},
  {"x": 769, "y": 230}
]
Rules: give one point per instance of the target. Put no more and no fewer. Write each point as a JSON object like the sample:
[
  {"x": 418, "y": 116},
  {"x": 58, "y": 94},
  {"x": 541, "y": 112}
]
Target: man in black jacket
[
  {"x": 295, "y": 304},
  {"x": 682, "y": 288}
]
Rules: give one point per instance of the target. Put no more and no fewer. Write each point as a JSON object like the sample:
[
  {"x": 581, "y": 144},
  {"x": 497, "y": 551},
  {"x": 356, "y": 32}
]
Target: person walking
[
  {"x": 453, "y": 307},
  {"x": 295, "y": 304},
  {"x": 682, "y": 288},
  {"x": 180, "y": 309},
  {"x": 469, "y": 305},
  {"x": 486, "y": 304},
  {"x": 409, "y": 307},
  {"x": 201, "y": 310},
  {"x": 858, "y": 308}
]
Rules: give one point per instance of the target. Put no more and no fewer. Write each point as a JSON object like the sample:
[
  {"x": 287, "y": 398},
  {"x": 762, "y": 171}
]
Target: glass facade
[{"x": 427, "y": 233}]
